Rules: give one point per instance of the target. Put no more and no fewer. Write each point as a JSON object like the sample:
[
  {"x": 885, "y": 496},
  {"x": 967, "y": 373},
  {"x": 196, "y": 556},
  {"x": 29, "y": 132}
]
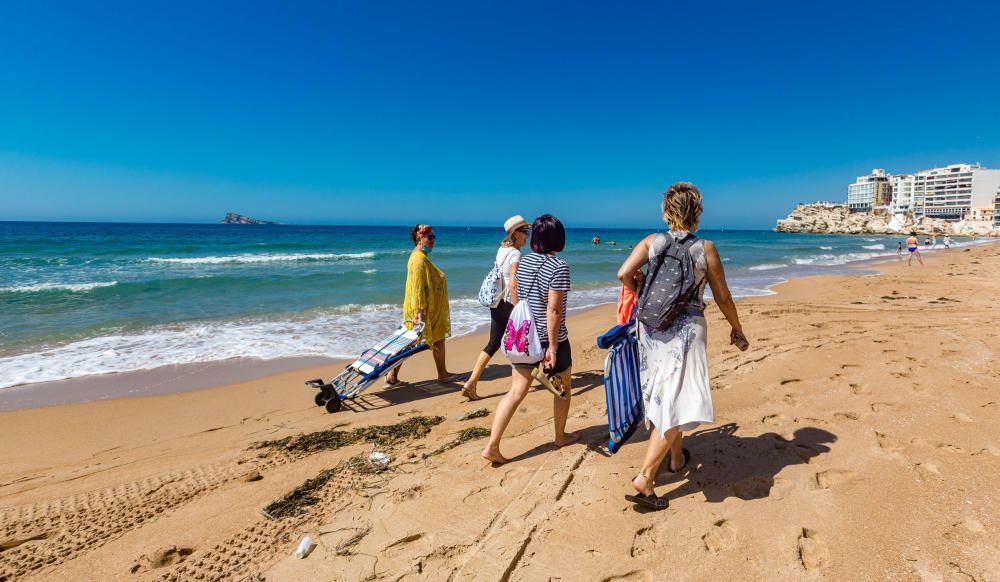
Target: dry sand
[{"x": 856, "y": 440}]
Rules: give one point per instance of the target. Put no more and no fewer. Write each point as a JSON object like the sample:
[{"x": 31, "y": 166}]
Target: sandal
[
  {"x": 687, "y": 459},
  {"x": 650, "y": 501}
]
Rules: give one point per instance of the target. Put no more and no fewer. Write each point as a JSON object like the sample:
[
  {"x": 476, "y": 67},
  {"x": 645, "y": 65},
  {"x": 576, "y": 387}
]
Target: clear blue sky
[{"x": 465, "y": 112}]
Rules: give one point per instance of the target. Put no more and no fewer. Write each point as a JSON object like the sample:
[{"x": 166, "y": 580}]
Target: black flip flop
[
  {"x": 650, "y": 501},
  {"x": 687, "y": 459}
]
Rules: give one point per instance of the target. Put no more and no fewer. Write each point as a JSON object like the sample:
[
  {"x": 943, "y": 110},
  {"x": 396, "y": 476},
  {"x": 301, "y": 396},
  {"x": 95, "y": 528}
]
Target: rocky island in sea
[
  {"x": 827, "y": 218},
  {"x": 233, "y": 218}
]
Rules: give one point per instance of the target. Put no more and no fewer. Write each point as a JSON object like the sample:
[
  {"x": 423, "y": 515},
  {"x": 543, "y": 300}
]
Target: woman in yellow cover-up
[{"x": 426, "y": 301}]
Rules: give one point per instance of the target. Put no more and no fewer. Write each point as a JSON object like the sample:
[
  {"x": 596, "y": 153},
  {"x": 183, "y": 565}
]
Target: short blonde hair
[{"x": 682, "y": 206}]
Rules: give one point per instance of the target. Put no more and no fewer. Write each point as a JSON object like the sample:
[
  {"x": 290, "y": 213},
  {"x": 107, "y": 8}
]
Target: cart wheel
[
  {"x": 333, "y": 405},
  {"x": 320, "y": 398}
]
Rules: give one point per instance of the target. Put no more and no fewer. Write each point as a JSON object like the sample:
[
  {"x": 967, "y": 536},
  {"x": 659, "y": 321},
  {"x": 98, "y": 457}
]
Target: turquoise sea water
[{"x": 85, "y": 298}]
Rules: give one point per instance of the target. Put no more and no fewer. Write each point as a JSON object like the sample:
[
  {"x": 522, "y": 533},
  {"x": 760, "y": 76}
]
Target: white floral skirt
[{"x": 673, "y": 370}]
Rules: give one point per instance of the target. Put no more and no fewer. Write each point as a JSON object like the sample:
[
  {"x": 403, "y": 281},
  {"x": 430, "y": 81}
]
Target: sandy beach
[{"x": 855, "y": 440}]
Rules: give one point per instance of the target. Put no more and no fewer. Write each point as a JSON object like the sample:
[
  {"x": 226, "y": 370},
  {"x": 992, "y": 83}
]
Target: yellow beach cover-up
[{"x": 427, "y": 291}]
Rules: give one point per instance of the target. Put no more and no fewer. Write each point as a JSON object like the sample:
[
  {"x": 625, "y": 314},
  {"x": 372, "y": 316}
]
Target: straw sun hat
[{"x": 513, "y": 223}]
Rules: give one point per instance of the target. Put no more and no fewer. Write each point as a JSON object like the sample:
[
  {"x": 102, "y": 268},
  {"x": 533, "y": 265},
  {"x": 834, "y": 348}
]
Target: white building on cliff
[
  {"x": 868, "y": 192},
  {"x": 955, "y": 192}
]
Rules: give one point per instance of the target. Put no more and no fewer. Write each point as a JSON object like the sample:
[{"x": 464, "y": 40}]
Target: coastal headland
[
  {"x": 855, "y": 440},
  {"x": 824, "y": 218}
]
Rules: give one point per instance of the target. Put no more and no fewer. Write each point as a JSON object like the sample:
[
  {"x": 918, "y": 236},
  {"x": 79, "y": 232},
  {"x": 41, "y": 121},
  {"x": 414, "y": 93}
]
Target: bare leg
[
  {"x": 919, "y": 258},
  {"x": 560, "y": 410},
  {"x": 520, "y": 382},
  {"x": 656, "y": 450},
  {"x": 469, "y": 390},
  {"x": 439, "y": 361},
  {"x": 677, "y": 452},
  {"x": 393, "y": 376}
]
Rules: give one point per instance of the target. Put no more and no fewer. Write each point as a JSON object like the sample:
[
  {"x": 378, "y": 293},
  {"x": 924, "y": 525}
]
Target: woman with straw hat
[{"x": 507, "y": 259}]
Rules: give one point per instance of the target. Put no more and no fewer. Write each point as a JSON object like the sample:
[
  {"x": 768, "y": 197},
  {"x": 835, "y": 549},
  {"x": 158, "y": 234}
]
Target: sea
[{"x": 78, "y": 299}]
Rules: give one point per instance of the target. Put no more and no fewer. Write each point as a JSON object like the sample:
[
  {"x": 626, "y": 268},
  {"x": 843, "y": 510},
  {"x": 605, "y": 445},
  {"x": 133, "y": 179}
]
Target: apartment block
[
  {"x": 868, "y": 192},
  {"x": 954, "y": 191}
]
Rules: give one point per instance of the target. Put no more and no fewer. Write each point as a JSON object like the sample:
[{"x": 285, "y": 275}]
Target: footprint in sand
[
  {"x": 833, "y": 477},
  {"x": 644, "y": 541},
  {"x": 813, "y": 551},
  {"x": 859, "y": 389},
  {"x": 775, "y": 420},
  {"x": 845, "y": 415},
  {"x": 887, "y": 442},
  {"x": 161, "y": 558},
  {"x": 881, "y": 406},
  {"x": 962, "y": 418},
  {"x": 722, "y": 536}
]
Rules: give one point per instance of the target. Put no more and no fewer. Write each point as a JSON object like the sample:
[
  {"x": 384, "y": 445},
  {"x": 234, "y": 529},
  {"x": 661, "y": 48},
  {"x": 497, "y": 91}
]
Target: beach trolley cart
[
  {"x": 372, "y": 364},
  {"x": 621, "y": 383}
]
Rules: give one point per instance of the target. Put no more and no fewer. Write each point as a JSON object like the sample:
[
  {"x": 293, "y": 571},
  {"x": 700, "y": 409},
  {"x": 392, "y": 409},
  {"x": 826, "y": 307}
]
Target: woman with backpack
[
  {"x": 672, "y": 350},
  {"x": 543, "y": 282},
  {"x": 507, "y": 259}
]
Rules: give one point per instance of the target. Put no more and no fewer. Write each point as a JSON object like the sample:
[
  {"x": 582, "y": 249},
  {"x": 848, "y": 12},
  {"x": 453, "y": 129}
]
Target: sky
[{"x": 463, "y": 113}]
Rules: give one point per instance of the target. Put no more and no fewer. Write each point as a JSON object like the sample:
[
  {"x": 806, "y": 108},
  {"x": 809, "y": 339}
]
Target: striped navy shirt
[{"x": 536, "y": 274}]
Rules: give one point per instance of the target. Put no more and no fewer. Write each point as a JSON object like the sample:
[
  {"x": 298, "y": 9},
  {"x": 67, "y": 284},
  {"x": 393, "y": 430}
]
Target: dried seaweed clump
[
  {"x": 302, "y": 496},
  {"x": 327, "y": 440}
]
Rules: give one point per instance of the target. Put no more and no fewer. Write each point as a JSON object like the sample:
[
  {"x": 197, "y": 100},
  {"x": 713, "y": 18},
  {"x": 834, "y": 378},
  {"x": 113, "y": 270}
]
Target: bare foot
[
  {"x": 494, "y": 456},
  {"x": 448, "y": 378},
  {"x": 567, "y": 439},
  {"x": 470, "y": 392}
]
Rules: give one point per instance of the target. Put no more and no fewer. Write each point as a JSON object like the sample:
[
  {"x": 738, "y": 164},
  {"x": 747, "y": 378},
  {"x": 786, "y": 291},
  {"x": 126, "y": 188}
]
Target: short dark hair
[{"x": 547, "y": 235}]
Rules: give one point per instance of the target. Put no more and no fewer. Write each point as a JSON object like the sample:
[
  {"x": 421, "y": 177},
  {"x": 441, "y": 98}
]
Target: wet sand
[{"x": 854, "y": 440}]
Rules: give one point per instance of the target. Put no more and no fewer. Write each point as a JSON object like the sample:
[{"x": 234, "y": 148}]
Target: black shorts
[{"x": 564, "y": 358}]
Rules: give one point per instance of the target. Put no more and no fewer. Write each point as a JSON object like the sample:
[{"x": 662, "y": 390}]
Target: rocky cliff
[
  {"x": 837, "y": 219},
  {"x": 233, "y": 218}
]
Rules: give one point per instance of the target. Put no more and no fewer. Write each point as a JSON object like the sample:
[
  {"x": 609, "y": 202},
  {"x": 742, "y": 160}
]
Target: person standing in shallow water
[
  {"x": 507, "y": 259},
  {"x": 673, "y": 362},
  {"x": 426, "y": 301}
]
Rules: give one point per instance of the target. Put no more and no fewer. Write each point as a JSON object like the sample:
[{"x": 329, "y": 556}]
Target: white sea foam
[
  {"x": 263, "y": 258},
  {"x": 871, "y": 239},
  {"x": 370, "y": 271},
  {"x": 826, "y": 248},
  {"x": 878, "y": 247},
  {"x": 72, "y": 287},
  {"x": 767, "y": 267}
]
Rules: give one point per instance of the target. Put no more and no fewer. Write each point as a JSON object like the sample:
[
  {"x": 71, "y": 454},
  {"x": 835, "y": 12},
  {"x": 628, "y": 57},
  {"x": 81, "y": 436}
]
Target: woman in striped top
[{"x": 542, "y": 280}]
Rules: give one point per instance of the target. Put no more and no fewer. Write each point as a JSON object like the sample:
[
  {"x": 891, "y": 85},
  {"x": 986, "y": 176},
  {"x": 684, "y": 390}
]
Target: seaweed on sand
[
  {"x": 328, "y": 440},
  {"x": 465, "y": 436},
  {"x": 306, "y": 494}
]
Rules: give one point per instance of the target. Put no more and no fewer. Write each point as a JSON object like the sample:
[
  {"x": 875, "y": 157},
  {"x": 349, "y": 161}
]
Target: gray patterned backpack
[{"x": 671, "y": 281}]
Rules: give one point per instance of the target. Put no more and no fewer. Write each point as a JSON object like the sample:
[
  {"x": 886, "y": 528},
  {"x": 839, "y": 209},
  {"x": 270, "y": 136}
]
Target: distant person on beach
[
  {"x": 507, "y": 259},
  {"x": 912, "y": 245},
  {"x": 934, "y": 242},
  {"x": 596, "y": 240},
  {"x": 899, "y": 249},
  {"x": 426, "y": 301},
  {"x": 947, "y": 242},
  {"x": 673, "y": 366},
  {"x": 614, "y": 243},
  {"x": 542, "y": 280},
  {"x": 927, "y": 242}
]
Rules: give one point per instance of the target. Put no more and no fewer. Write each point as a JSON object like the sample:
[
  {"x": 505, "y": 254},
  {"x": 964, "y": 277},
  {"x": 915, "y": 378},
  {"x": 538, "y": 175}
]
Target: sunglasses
[
  {"x": 430, "y": 236},
  {"x": 524, "y": 229}
]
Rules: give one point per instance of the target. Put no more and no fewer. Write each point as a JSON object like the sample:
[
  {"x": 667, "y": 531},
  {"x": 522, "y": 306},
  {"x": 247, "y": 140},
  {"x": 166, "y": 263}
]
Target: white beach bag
[{"x": 520, "y": 341}]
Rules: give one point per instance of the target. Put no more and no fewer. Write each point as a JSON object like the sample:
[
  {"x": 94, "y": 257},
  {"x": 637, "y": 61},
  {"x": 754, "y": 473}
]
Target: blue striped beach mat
[{"x": 621, "y": 383}]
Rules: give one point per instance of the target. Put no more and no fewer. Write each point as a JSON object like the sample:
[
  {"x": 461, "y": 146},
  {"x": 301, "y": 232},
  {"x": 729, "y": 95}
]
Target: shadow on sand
[{"x": 726, "y": 465}]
